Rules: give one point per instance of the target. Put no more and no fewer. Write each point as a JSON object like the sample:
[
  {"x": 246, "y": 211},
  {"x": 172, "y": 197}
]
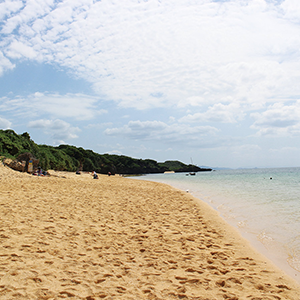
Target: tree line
[{"x": 71, "y": 158}]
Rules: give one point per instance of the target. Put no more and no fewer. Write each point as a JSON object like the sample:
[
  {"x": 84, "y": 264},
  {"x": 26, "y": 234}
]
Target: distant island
[{"x": 22, "y": 151}]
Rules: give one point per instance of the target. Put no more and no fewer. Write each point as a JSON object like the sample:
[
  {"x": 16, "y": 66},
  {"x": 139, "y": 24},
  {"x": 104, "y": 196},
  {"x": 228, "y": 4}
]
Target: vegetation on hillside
[{"x": 71, "y": 158}]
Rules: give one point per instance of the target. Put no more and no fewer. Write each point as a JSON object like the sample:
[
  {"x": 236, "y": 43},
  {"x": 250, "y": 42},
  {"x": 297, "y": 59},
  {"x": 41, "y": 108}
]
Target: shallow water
[{"x": 264, "y": 203}]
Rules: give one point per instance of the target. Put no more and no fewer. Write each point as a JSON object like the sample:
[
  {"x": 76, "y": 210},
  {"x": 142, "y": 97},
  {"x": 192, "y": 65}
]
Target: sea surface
[{"x": 264, "y": 204}]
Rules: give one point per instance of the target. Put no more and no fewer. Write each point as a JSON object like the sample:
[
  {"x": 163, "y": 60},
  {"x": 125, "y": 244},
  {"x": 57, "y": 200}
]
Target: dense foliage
[
  {"x": 71, "y": 158},
  {"x": 178, "y": 166}
]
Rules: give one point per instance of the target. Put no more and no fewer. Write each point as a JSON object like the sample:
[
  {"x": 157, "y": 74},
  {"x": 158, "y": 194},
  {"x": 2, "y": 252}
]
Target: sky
[{"x": 215, "y": 83}]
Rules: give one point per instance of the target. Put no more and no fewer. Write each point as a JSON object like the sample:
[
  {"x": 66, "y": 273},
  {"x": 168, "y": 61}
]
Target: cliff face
[{"x": 20, "y": 148}]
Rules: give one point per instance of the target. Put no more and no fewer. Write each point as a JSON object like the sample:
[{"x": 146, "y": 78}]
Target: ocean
[{"x": 263, "y": 204}]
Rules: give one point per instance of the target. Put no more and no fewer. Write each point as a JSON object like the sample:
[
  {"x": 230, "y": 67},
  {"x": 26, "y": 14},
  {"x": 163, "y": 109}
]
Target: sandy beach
[{"x": 70, "y": 236}]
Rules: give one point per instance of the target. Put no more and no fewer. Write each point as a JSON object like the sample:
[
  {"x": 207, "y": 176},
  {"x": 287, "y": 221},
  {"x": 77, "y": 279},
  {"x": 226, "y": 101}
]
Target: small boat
[{"x": 192, "y": 173}]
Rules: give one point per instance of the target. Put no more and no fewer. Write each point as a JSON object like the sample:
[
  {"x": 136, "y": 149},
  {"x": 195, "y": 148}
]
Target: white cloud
[
  {"x": 9, "y": 7},
  {"x": 279, "y": 119},
  {"x": 161, "y": 132},
  {"x": 20, "y": 50},
  {"x": 116, "y": 152},
  {"x": 58, "y": 129},
  {"x": 99, "y": 125},
  {"x": 31, "y": 10},
  {"x": 4, "y": 123},
  {"x": 5, "y": 64},
  {"x": 217, "y": 61},
  {"x": 78, "y": 106},
  {"x": 230, "y": 113},
  {"x": 145, "y": 54},
  {"x": 74, "y": 106},
  {"x": 138, "y": 129},
  {"x": 291, "y": 9}
]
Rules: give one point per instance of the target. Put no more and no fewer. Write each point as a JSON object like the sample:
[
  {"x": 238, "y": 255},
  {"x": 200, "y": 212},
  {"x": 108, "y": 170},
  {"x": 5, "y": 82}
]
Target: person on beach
[
  {"x": 40, "y": 171},
  {"x": 95, "y": 176}
]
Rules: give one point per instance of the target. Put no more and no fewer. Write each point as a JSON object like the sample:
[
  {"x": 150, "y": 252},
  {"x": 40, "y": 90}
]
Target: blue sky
[{"x": 215, "y": 81}]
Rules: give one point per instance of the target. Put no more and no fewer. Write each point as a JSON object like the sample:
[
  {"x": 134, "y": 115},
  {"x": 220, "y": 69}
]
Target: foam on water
[{"x": 264, "y": 203}]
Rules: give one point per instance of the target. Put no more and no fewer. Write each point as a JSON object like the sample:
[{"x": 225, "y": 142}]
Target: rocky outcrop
[
  {"x": 14, "y": 164},
  {"x": 27, "y": 157},
  {"x": 22, "y": 162}
]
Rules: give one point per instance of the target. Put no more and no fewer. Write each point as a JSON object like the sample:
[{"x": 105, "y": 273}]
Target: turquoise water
[{"x": 262, "y": 203}]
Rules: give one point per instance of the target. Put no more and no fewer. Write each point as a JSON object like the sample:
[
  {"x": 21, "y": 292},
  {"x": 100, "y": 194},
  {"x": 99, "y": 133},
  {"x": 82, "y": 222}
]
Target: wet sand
[{"x": 70, "y": 236}]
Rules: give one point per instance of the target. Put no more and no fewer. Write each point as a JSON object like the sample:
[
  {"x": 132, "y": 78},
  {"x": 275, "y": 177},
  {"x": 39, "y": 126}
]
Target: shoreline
[
  {"x": 118, "y": 238},
  {"x": 270, "y": 254},
  {"x": 276, "y": 256}
]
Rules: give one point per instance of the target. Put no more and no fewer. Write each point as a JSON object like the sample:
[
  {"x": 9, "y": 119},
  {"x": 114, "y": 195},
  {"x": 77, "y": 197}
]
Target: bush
[{"x": 71, "y": 158}]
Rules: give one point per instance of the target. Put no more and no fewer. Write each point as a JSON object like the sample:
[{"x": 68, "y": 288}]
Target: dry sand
[{"x": 117, "y": 238}]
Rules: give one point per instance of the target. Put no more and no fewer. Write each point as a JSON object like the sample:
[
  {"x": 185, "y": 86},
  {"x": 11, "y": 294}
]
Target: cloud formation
[
  {"x": 163, "y": 53},
  {"x": 161, "y": 132},
  {"x": 4, "y": 123},
  {"x": 58, "y": 129},
  {"x": 5, "y": 64},
  {"x": 219, "y": 113},
  {"x": 75, "y": 106},
  {"x": 223, "y": 73},
  {"x": 278, "y": 120}
]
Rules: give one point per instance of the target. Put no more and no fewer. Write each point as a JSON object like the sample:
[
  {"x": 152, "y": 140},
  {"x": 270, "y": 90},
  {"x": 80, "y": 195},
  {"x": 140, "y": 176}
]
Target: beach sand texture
[{"x": 70, "y": 236}]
